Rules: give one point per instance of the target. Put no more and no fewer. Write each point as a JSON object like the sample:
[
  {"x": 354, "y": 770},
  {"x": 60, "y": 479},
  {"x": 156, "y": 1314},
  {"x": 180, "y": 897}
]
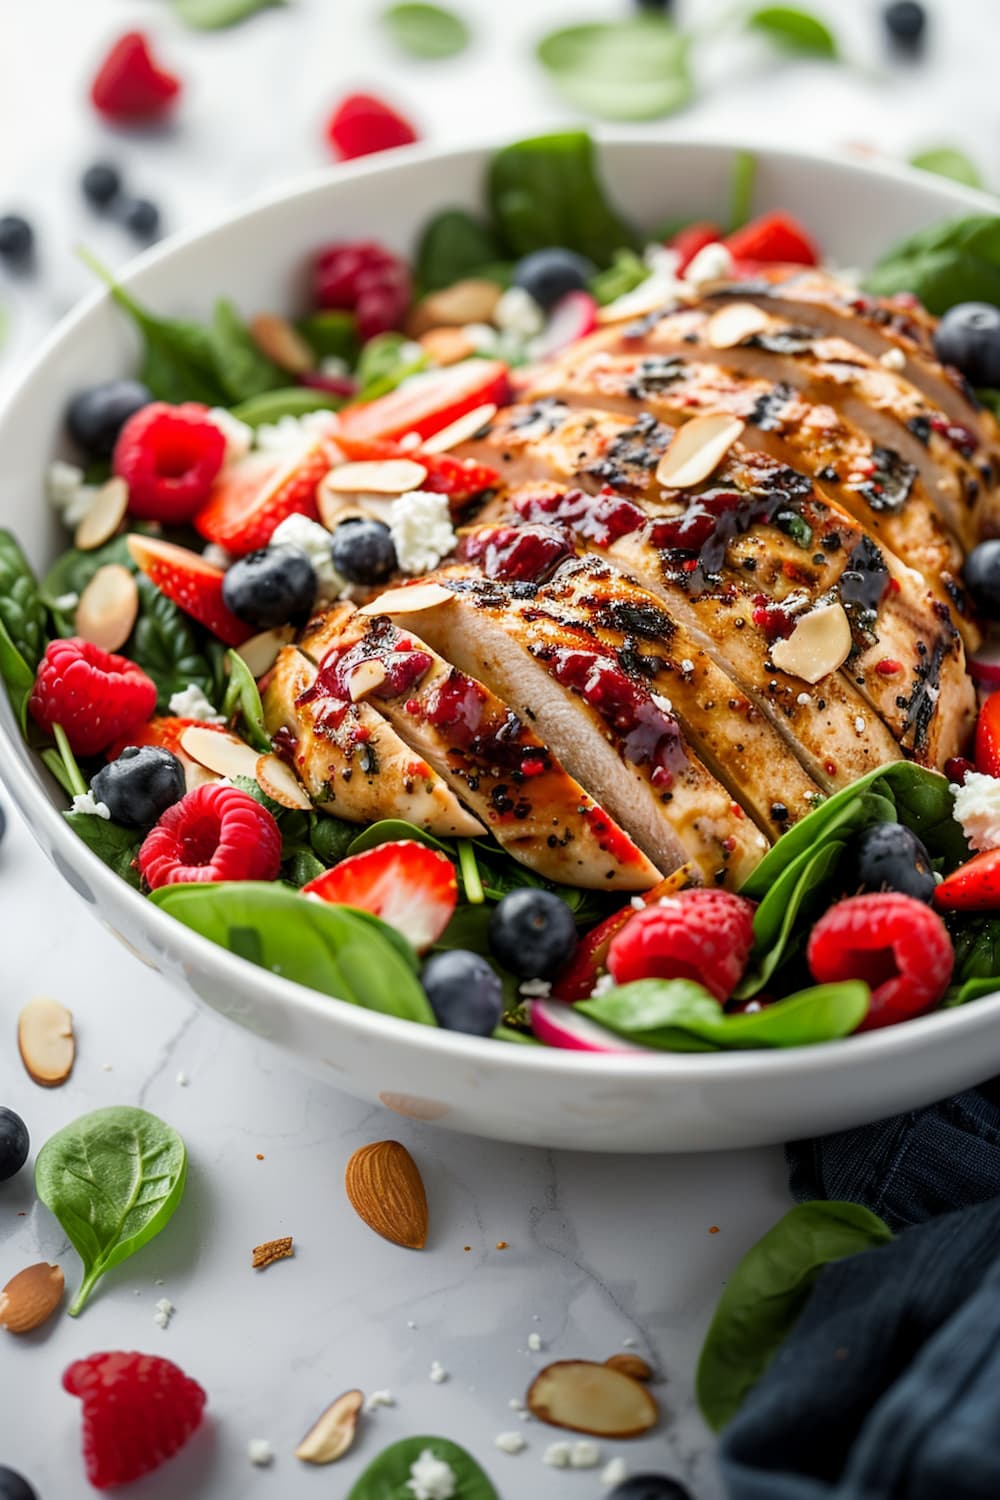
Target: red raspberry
[
  {"x": 94, "y": 695},
  {"x": 138, "y": 1410},
  {"x": 705, "y": 935},
  {"x": 896, "y": 944},
  {"x": 129, "y": 86},
  {"x": 361, "y": 125},
  {"x": 367, "y": 279},
  {"x": 215, "y": 832},
  {"x": 169, "y": 456}
]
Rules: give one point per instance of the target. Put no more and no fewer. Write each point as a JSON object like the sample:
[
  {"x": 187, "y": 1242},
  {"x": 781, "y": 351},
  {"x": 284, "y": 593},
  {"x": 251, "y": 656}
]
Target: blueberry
[
  {"x": 271, "y": 587},
  {"x": 981, "y": 573},
  {"x": 649, "y": 1487},
  {"x": 968, "y": 337},
  {"x": 14, "y": 1487},
  {"x": 363, "y": 551},
  {"x": 141, "y": 217},
  {"x": 101, "y": 183},
  {"x": 532, "y": 933},
  {"x": 659, "y": 7},
  {"x": 548, "y": 275},
  {"x": 465, "y": 994},
  {"x": 14, "y": 1143},
  {"x": 17, "y": 238},
  {"x": 140, "y": 785},
  {"x": 97, "y": 415},
  {"x": 906, "y": 22},
  {"x": 890, "y": 857}
]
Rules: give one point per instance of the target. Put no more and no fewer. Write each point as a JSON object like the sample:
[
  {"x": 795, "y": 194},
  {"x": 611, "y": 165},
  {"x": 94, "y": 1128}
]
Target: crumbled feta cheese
[
  {"x": 663, "y": 704},
  {"x": 67, "y": 493},
  {"x": 637, "y": 903},
  {"x": 713, "y": 263},
  {"x": 661, "y": 260},
  {"x": 859, "y": 724},
  {"x": 483, "y": 337},
  {"x": 238, "y": 435},
  {"x": 217, "y": 557},
  {"x": 438, "y": 1374},
  {"x": 333, "y": 364},
  {"x": 510, "y": 1442},
  {"x": 379, "y": 1398},
  {"x": 431, "y": 1478},
  {"x": 584, "y": 1454},
  {"x": 515, "y": 1404},
  {"x": 106, "y": 1067},
  {"x": 289, "y": 433},
  {"x": 191, "y": 703},
  {"x": 556, "y": 1456},
  {"x": 86, "y": 802},
  {"x": 535, "y": 989},
  {"x": 517, "y": 312},
  {"x": 163, "y": 1312},
  {"x": 614, "y": 1472},
  {"x": 605, "y": 982},
  {"x": 687, "y": 665},
  {"x": 314, "y": 541},
  {"x": 182, "y": 1080},
  {"x": 534, "y": 1342},
  {"x": 893, "y": 359},
  {"x": 420, "y": 524},
  {"x": 977, "y": 808},
  {"x": 260, "y": 1452}
]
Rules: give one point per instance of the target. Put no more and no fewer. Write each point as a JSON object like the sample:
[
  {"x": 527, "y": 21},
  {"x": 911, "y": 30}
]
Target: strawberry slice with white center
[
  {"x": 192, "y": 583},
  {"x": 252, "y": 497},
  {"x": 411, "y": 887},
  {"x": 426, "y": 403}
]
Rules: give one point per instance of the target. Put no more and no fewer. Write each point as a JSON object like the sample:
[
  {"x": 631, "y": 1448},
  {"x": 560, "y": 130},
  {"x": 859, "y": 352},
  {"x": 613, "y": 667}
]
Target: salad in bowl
[{"x": 567, "y": 635}]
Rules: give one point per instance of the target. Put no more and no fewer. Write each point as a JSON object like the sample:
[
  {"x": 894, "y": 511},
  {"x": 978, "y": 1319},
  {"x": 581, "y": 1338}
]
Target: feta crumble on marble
[
  {"x": 163, "y": 1312},
  {"x": 421, "y": 529},
  {"x": 510, "y": 1442},
  {"x": 556, "y": 1456},
  {"x": 893, "y": 359},
  {"x": 584, "y": 1454},
  {"x": 431, "y": 1478},
  {"x": 86, "y": 802},
  {"x": 713, "y": 263},
  {"x": 534, "y": 1342},
  {"x": 977, "y": 808},
  {"x": 614, "y": 1472},
  {"x": 314, "y": 540},
  {"x": 379, "y": 1398},
  {"x": 260, "y": 1452},
  {"x": 238, "y": 435},
  {"x": 182, "y": 1080},
  {"x": 191, "y": 703},
  {"x": 438, "y": 1373}
]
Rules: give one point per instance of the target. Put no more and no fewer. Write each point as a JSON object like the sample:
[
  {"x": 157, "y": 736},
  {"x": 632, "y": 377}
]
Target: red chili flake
[
  {"x": 532, "y": 765},
  {"x": 888, "y": 667},
  {"x": 830, "y": 767},
  {"x": 713, "y": 1228},
  {"x": 412, "y": 705},
  {"x": 689, "y": 565},
  {"x": 729, "y": 844}
]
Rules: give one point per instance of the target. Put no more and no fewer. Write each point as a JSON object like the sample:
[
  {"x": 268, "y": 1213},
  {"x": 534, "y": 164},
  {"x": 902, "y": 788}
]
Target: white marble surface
[{"x": 601, "y": 1249}]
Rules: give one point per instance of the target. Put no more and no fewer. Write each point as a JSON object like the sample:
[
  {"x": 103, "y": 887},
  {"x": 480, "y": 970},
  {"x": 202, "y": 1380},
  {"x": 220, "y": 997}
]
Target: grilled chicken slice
[
  {"x": 618, "y": 739},
  {"x": 351, "y": 761},
  {"x": 491, "y": 758}
]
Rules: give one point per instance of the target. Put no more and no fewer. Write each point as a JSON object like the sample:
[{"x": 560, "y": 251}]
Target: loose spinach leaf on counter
[
  {"x": 766, "y": 1294},
  {"x": 212, "y": 15},
  {"x": 242, "y": 369},
  {"x": 289, "y": 401},
  {"x": 954, "y": 261},
  {"x": 948, "y": 161},
  {"x": 635, "y": 69},
  {"x": 165, "y": 645},
  {"x": 546, "y": 191},
  {"x": 387, "y": 1477},
  {"x": 423, "y": 30},
  {"x": 113, "y": 1179},
  {"x": 794, "y": 30},
  {"x": 341, "y": 952},
  {"x": 677, "y": 1015},
  {"x": 118, "y": 847},
  {"x": 454, "y": 246}
]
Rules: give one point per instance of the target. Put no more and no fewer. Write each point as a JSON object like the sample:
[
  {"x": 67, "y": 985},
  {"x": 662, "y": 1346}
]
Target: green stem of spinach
[
  {"x": 53, "y": 762},
  {"x": 87, "y": 1285},
  {"x": 77, "y": 786},
  {"x": 470, "y": 873}
]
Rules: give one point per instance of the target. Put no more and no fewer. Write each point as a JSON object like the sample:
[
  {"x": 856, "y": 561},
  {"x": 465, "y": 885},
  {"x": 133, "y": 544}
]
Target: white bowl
[{"x": 659, "y": 1102}]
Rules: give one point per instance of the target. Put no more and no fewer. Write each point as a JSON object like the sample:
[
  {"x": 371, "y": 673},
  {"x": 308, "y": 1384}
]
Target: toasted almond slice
[
  {"x": 388, "y": 476},
  {"x": 332, "y": 1434},
  {"x": 586, "y": 1397},
  {"x": 697, "y": 449},
  {"x": 275, "y": 337},
  {"x": 367, "y": 675},
  {"x": 473, "y": 300},
  {"x": 632, "y": 1365},
  {"x": 385, "y": 1189},
  {"x": 447, "y": 346},
  {"x": 46, "y": 1042},
  {"x": 219, "y": 751},
  {"x": 462, "y": 428},
  {"x": 651, "y": 295},
  {"x": 260, "y": 652},
  {"x": 734, "y": 323},
  {"x": 408, "y": 600},
  {"x": 278, "y": 781},
  {"x": 108, "y": 607},
  {"x": 335, "y": 507},
  {"x": 30, "y": 1297},
  {"x": 819, "y": 644},
  {"x": 104, "y": 517}
]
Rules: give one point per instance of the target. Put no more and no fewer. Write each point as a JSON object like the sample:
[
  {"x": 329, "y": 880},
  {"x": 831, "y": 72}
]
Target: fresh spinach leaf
[
  {"x": 243, "y": 697},
  {"x": 388, "y": 831},
  {"x": 118, "y": 847},
  {"x": 336, "y": 950},
  {"x": 165, "y": 645},
  {"x": 113, "y": 1179},
  {"x": 302, "y": 866},
  {"x": 741, "y": 189},
  {"x": 989, "y": 399},
  {"x": 426, "y": 30},
  {"x": 21, "y": 608},
  {"x": 948, "y": 161},
  {"x": 242, "y": 369},
  {"x": 795, "y": 30},
  {"x": 386, "y": 361},
  {"x": 213, "y": 15},
  {"x": 253, "y": 789},
  {"x": 387, "y": 1477},
  {"x": 626, "y": 272},
  {"x": 290, "y": 401},
  {"x": 453, "y": 246},
  {"x": 955, "y": 261},
  {"x": 331, "y": 838},
  {"x": 636, "y": 69},
  {"x": 18, "y": 678},
  {"x": 504, "y": 1033},
  {"x": 976, "y": 941},
  {"x": 766, "y": 1294},
  {"x": 331, "y": 334},
  {"x": 73, "y": 569},
  {"x": 547, "y": 191}
]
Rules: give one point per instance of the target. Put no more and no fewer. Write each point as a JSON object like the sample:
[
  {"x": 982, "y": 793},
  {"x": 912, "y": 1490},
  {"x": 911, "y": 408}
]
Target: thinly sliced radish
[
  {"x": 985, "y": 663},
  {"x": 572, "y": 318},
  {"x": 561, "y": 1025}
]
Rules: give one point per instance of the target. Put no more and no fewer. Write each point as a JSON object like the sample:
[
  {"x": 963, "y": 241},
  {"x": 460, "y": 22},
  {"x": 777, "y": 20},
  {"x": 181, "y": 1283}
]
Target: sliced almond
[
  {"x": 279, "y": 782},
  {"x": 447, "y": 346},
  {"x": 649, "y": 296},
  {"x": 586, "y": 1397},
  {"x": 819, "y": 644},
  {"x": 275, "y": 337},
  {"x": 366, "y": 677},
  {"x": 334, "y": 507},
  {"x": 405, "y": 601},
  {"x": 218, "y": 751},
  {"x": 473, "y": 300},
  {"x": 461, "y": 429},
  {"x": 632, "y": 1365},
  {"x": 734, "y": 323},
  {"x": 386, "y": 1190},
  {"x": 389, "y": 476},
  {"x": 332, "y": 1434},
  {"x": 260, "y": 652},
  {"x": 266, "y": 1254},
  {"x": 46, "y": 1042},
  {"x": 30, "y": 1297},
  {"x": 697, "y": 449},
  {"x": 108, "y": 607},
  {"x": 104, "y": 517}
]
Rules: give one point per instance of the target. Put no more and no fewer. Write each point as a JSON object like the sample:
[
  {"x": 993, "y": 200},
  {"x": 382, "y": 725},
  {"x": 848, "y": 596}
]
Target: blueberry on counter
[
  {"x": 14, "y": 1146},
  {"x": 97, "y": 415},
  {"x": 101, "y": 183},
  {"x": 464, "y": 992},
  {"x": 547, "y": 275},
  {"x": 140, "y": 217},
  {"x": 649, "y": 1487},
  {"x": 363, "y": 551},
  {"x": 17, "y": 239},
  {"x": 271, "y": 587},
  {"x": 906, "y": 23},
  {"x": 140, "y": 785},
  {"x": 890, "y": 857},
  {"x": 532, "y": 933},
  {"x": 968, "y": 337},
  {"x": 14, "y": 1486}
]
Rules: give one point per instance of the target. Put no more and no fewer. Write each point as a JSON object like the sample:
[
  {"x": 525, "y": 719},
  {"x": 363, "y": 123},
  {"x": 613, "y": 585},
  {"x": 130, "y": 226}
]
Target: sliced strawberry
[
  {"x": 411, "y": 887},
  {"x": 252, "y": 497},
  {"x": 458, "y": 478},
  {"x": 693, "y": 237},
  {"x": 987, "y": 753},
  {"x": 425, "y": 404},
  {"x": 773, "y": 237},
  {"x": 974, "y": 886},
  {"x": 192, "y": 583}
]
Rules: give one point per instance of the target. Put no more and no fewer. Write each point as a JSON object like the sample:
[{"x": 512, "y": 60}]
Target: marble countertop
[{"x": 601, "y": 1250}]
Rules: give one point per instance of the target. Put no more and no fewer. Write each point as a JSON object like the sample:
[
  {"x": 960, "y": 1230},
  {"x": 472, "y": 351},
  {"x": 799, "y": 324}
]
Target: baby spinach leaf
[
  {"x": 976, "y": 941},
  {"x": 113, "y": 1179},
  {"x": 954, "y": 261},
  {"x": 388, "y": 831},
  {"x": 302, "y": 866},
  {"x": 330, "y": 838},
  {"x": 794, "y": 30},
  {"x": 165, "y": 645},
  {"x": 331, "y": 333},
  {"x": 73, "y": 569},
  {"x": 766, "y": 1294},
  {"x": 118, "y": 847},
  {"x": 636, "y": 69},
  {"x": 289, "y": 401},
  {"x": 677, "y": 1015},
  {"x": 242, "y": 369},
  {"x": 336, "y": 950},
  {"x": 546, "y": 191},
  {"x": 626, "y": 272},
  {"x": 426, "y": 30},
  {"x": 18, "y": 678},
  {"x": 243, "y": 696},
  {"x": 948, "y": 161},
  {"x": 212, "y": 15},
  {"x": 453, "y": 246},
  {"x": 388, "y": 1476},
  {"x": 21, "y": 608},
  {"x": 386, "y": 361}
]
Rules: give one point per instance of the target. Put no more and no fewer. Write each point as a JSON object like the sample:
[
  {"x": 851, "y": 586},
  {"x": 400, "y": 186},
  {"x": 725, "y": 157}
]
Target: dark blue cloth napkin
[{"x": 888, "y": 1388}]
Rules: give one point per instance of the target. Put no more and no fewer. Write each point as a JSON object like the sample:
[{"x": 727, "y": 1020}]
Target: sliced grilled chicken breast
[
  {"x": 622, "y": 743},
  {"x": 490, "y": 757}
]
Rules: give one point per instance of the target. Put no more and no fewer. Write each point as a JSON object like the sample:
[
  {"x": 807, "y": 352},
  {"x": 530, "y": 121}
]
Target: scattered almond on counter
[
  {"x": 46, "y": 1042},
  {"x": 31, "y": 1297},
  {"x": 596, "y": 1399},
  {"x": 332, "y": 1434},
  {"x": 385, "y": 1189},
  {"x": 632, "y": 1365},
  {"x": 271, "y": 1250}
]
